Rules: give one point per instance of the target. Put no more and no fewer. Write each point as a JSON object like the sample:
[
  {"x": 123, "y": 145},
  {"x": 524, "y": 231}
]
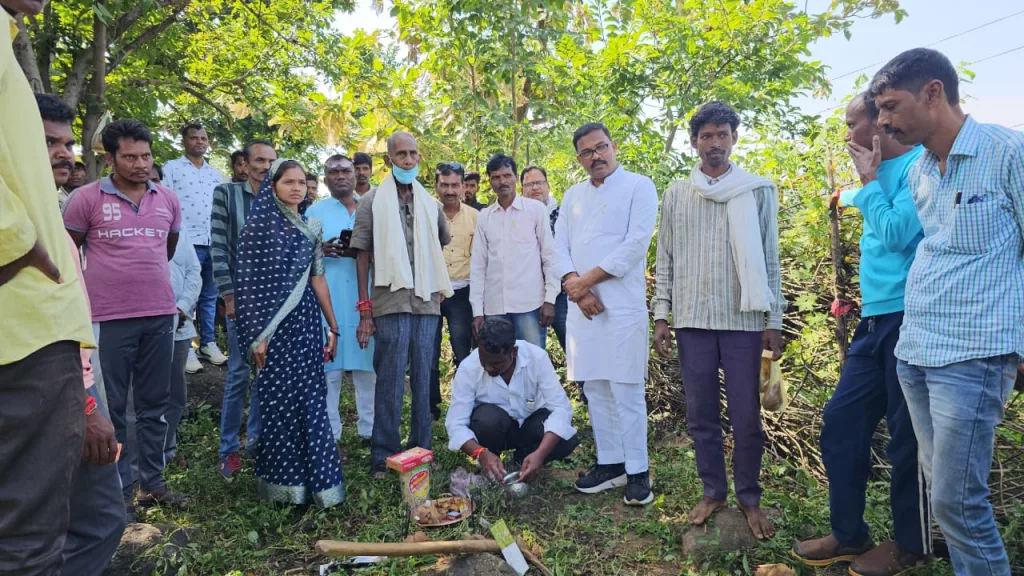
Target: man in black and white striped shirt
[{"x": 231, "y": 202}]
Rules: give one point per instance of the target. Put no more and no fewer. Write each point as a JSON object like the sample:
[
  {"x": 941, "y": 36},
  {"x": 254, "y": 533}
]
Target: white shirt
[
  {"x": 194, "y": 187},
  {"x": 610, "y": 227},
  {"x": 512, "y": 260},
  {"x": 534, "y": 385}
]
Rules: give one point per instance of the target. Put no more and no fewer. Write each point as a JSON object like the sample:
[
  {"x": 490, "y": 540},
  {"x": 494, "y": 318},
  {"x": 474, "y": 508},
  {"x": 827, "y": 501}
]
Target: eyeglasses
[
  {"x": 450, "y": 165},
  {"x": 588, "y": 153},
  {"x": 535, "y": 184}
]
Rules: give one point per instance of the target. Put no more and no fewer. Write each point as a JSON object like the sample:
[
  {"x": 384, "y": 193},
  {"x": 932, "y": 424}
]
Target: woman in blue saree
[{"x": 279, "y": 294}]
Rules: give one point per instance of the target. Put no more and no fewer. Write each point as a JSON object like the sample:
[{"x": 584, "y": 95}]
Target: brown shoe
[
  {"x": 827, "y": 551},
  {"x": 165, "y": 498},
  {"x": 886, "y": 559}
]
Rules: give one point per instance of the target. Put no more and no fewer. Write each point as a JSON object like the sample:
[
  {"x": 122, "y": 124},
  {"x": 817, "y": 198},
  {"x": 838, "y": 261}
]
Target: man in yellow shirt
[
  {"x": 449, "y": 184},
  {"x": 45, "y": 322}
]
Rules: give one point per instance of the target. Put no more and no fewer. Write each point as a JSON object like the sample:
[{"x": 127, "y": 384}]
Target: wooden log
[{"x": 339, "y": 548}]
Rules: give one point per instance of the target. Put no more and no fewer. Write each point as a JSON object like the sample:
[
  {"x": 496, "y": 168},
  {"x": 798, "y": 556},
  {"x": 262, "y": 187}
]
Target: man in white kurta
[{"x": 601, "y": 238}]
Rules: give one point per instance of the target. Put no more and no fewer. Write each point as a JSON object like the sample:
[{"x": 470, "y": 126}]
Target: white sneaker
[
  {"x": 192, "y": 365},
  {"x": 213, "y": 354}
]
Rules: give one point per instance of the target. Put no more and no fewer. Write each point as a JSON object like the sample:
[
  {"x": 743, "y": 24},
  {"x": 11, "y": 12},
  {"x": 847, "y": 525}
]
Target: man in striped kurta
[
  {"x": 718, "y": 278},
  {"x": 231, "y": 203},
  {"x": 963, "y": 328}
]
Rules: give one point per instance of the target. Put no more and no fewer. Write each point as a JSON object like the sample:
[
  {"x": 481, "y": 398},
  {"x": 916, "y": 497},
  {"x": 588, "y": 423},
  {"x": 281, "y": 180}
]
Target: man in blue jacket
[{"x": 869, "y": 387}]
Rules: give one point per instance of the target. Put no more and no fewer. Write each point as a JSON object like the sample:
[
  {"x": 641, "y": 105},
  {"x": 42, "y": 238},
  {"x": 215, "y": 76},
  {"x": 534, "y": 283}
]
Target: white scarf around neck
[
  {"x": 735, "y": 189},
  {"x": 391, "y": 256}
]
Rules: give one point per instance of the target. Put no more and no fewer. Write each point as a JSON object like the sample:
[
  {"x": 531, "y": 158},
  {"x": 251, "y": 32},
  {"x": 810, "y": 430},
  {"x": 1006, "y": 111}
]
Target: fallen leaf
[{"x": 774, "y": 570}]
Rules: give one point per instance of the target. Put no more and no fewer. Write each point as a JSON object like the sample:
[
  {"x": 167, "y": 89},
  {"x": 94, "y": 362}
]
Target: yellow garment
[
  {"x": 36, "y": 311},
  {"x": 457, "y": 253}
]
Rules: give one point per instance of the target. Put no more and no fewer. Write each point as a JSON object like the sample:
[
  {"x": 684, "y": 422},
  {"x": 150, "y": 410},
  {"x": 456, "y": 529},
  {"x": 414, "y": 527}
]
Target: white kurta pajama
[{"x": 611, "y": 226}]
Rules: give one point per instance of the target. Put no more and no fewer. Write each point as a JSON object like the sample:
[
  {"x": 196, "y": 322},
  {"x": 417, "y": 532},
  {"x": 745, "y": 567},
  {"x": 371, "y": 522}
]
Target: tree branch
[
  {"x": 146, "y": 36},
  {"x": 197, "y": 92},
  {"x": 26, "y": 56}
]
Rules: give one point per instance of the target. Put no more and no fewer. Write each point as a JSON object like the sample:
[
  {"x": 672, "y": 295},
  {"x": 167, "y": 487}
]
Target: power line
[
  {"x": 957, "y": 35},
  {"x": 1021, "y": 47},
  {"x": 978, "y": 61}
]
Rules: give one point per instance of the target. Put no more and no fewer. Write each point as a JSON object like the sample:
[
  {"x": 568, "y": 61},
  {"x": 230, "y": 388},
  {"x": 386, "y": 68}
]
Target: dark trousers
[
  {"x": 136, "y": 353},
  {"x": 738, "y": 354},
  {"x": 42, "y": 428},
  {"x": 497, "y": 431},
  {"x": 97, "y": 516},
  {"x": 869, "y": 390},
  {"x": 459, "y": 314},
  {"x": 402, "y": 339},
  {"x": 173, "y": 414},
  {"x": 561, "y": 311}
]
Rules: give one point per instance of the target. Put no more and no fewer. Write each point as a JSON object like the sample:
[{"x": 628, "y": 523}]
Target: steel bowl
[{"x": 514, "y": 487}]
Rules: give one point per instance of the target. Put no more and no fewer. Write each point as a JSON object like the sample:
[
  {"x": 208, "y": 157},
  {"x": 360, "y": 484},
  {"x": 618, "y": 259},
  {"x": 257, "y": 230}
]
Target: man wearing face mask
[
  {"x": 718, "y": 276},
  {"x": 400, "y": 229},
  {"x": 507, "y": 396}
]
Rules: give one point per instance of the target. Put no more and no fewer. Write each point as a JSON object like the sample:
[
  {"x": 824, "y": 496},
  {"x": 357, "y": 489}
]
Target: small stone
[{"x": 726, "y": 531}]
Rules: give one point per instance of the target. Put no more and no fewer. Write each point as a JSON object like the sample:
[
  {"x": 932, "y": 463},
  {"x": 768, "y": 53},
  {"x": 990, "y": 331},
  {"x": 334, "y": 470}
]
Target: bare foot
[
  {"x": 759, "y": 523},
  {"x": 703, "y": 510}
]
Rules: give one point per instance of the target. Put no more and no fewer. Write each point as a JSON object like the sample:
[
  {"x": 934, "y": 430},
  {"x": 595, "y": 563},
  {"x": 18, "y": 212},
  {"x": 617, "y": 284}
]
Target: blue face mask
[{"x": 405, "y": 176}]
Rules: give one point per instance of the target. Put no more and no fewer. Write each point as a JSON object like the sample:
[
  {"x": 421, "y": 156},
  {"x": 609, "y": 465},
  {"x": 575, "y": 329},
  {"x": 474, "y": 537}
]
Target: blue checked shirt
[{"x": 965, "y": 291}]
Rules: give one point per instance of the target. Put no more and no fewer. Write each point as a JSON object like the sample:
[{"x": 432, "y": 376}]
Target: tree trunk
[
  {"x": 26, "y": 57},
  {"x": 94, "y": 107},
  {"x": 839, "y": 279}
]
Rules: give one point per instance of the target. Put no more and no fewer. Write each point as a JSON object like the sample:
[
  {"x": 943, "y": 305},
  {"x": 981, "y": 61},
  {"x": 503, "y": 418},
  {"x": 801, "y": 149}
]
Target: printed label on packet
[{"x": 419, "y": 483}]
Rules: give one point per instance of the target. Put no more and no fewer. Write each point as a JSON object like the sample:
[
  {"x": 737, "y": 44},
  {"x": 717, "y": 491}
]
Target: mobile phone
[{"x": 345, "y": 238}]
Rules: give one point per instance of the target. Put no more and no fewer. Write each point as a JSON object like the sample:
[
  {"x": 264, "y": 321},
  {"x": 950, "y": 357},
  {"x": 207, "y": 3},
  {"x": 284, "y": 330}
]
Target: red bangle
[
  {"x": 475, "y": 454},
  {"x": 90, "y": 405},
  {"x": 364, "y": 305}
]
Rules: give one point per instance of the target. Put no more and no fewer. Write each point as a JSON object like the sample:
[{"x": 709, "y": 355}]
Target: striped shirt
[
  {"x": 965, "y": 291},
  {"x": 231, "y": 203},
  {"x": 696, "y": 278}
]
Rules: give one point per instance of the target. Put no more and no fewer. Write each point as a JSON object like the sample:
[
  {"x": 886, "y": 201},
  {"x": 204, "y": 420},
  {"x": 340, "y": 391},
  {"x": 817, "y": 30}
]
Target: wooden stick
[{"x": 338, "y": 548}]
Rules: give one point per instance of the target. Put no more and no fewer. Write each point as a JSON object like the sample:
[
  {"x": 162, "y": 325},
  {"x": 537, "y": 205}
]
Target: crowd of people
[{"x": 105, "y": 290}]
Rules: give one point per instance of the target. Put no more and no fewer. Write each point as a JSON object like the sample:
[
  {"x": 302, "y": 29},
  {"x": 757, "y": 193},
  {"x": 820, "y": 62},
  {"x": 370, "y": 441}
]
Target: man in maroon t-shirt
[{"x": 129, "y": 226}]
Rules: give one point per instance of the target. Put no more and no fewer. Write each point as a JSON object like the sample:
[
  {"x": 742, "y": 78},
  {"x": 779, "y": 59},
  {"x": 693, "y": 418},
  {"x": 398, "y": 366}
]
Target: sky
[{"x": 996, "y": 94}]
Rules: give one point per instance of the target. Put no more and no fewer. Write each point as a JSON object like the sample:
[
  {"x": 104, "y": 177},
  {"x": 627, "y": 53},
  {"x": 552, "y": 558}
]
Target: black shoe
[
  {"x": 638, "y": 489},
  {"x": 131, "y": 516},
  {"x": 602, "y": 477}
]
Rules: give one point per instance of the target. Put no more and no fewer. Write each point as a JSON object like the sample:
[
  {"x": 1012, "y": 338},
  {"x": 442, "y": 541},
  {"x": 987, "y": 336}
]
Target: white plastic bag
[{"x": 774, "y": 395}]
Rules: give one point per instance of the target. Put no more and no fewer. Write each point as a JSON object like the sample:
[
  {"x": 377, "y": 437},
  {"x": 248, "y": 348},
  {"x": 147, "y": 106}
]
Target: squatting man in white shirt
[{"x": 506, "y": 396}]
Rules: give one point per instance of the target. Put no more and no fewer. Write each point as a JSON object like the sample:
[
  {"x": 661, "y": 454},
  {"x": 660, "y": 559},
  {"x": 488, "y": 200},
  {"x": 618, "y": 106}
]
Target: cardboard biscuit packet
[{"x": 413, "y": 467}]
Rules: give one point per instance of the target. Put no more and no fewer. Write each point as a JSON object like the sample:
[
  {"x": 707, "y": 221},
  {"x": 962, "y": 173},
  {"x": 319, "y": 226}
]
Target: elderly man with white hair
[{"x": 400, "y": 229}]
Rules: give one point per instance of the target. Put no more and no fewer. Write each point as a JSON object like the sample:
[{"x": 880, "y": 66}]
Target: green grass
[{"x": 232, "y": 532}]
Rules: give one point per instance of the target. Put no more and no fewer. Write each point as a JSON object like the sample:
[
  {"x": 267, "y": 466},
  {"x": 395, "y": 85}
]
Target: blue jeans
[
  {"x": 955, "y": 410},
  {"x": 869, "y": 390},
  {"x": 459, "y": 314},
  {"x": 561, "y": 310},
  {"x": 528, "y": 327},
  {"x": 234, "y": 400},
  {"x": 206, "y": 308},
  {"x": 402, "y": 340}
]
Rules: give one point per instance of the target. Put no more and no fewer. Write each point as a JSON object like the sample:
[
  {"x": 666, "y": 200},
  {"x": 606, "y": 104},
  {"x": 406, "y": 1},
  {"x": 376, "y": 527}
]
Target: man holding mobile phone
[{"x": 338, "y": 214}]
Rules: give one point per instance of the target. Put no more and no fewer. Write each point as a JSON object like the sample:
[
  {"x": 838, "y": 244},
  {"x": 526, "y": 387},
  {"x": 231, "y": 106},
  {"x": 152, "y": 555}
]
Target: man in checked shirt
[{"x": 963, "y": 329}]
